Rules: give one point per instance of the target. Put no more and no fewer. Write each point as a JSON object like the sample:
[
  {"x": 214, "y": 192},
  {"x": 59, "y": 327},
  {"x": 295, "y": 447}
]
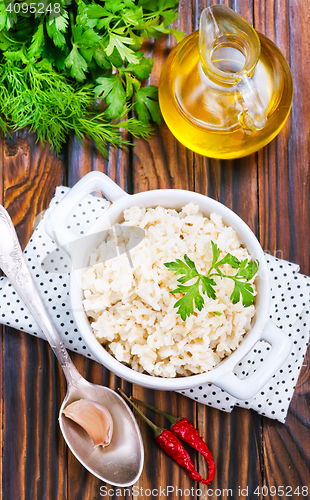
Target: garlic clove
[{"x": 95, "y": 419}]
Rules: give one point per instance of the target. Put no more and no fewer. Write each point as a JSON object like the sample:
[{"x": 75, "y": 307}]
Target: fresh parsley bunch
[
  {"x": 204, "y": 284},
  {"x": 78, "y": 67}
]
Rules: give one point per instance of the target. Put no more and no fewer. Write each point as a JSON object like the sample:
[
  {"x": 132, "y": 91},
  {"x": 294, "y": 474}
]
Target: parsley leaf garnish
[
  {"x": 77, "y": 64},
  {"x": 146, "y": 104},
  {"x": 204, "y": 284},
  {"x": 112, "y": 90}
]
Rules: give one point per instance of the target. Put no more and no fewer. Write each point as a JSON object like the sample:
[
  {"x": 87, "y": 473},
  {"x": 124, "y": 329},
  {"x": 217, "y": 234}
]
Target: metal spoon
[{"x": 121, "y": 462}]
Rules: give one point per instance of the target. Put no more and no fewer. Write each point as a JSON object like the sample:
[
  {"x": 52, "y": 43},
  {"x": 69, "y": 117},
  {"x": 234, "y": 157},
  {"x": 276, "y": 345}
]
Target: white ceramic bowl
[{"x": 262, "y": 328}]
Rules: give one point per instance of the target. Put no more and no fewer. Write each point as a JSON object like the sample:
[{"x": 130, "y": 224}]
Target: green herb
[
  {"x": 74, "y": 65},
  {"x": 193, "y": 294}
]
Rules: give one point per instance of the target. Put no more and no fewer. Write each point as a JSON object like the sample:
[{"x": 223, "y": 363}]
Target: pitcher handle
[{"x": 253, "y": 116}]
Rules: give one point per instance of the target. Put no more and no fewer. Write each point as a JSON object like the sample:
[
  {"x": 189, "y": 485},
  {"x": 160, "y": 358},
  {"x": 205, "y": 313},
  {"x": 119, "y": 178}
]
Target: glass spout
[{"x": 222, "y": 31}]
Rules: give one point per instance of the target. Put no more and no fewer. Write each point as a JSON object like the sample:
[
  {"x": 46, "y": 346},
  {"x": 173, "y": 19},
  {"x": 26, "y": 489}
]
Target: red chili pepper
[
  {"x": 184, "y": 429},
  {"x": 171, "y": 445},
  {"x": 174, "y": 448}
]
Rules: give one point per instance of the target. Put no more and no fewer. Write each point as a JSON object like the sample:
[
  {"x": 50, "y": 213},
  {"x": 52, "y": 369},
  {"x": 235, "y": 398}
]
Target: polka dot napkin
[{"x": 289, "y": 309}]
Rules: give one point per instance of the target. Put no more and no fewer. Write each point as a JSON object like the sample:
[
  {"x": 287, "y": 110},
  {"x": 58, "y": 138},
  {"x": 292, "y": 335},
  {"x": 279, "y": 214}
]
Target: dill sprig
[{"x": 34, "y": 95}]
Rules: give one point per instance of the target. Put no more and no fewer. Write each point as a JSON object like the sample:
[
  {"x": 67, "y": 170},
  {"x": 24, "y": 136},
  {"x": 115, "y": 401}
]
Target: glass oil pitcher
[{"x": 225, "y": 91}]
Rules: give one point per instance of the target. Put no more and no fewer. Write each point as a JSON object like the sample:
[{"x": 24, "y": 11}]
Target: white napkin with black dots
[{"x": 289, "y": 309}]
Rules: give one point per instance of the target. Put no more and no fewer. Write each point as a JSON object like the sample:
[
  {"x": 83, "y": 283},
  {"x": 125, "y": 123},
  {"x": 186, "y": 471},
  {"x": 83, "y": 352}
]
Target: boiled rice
[{"x": 131, "y": 309}]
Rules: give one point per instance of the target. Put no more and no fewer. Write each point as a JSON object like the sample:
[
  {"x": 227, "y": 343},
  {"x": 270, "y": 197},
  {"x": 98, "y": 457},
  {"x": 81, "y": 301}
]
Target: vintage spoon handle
[{"x": 13, "y": 264}]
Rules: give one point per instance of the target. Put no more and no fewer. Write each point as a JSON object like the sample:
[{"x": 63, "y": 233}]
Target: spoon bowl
[
  {"x": 121, "y": 462},
  {"x": 118, "y": 462}
]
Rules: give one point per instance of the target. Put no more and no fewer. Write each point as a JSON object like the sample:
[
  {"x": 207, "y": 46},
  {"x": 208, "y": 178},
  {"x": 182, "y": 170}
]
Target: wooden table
[{"x": 270, "y": 191}]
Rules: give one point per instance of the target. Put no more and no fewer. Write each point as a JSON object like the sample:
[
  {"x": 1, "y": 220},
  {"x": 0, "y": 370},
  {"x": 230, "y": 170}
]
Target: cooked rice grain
[{"x": 132, "y": 312}]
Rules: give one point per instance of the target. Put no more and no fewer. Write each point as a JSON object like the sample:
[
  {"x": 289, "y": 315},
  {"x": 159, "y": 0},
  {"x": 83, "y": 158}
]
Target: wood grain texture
[
  {"x": 164, "y": 163},
  {"x": 161, "y": 163},
  {"x": 81, "y": 160},
  {"x": 283, "y": 169},
  {"x": 270, "y": 191},
  {"x": 31, "y": 173},
  {"x": 1, "y": 327},
  {"x": 33, "y": 453}
]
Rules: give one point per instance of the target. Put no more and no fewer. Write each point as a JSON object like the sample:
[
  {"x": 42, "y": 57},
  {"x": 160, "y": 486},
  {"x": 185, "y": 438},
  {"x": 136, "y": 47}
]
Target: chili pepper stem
[
  {"x": 171, "y": 418},
  {"x": 157, "y": 430}
]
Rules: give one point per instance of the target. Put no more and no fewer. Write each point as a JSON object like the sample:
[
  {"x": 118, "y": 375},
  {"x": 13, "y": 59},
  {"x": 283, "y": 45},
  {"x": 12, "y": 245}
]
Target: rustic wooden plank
[
  {"x": 235, "y": 443},
  {"x": 1, "y": 167},
  {"x": 33, "y": 451},
  {"x": 288, "y": 200},
  {"x": 31, "y": 174},
  {"x": 168, "y": 473},
  {"x": 236, "y": 436},
  {"x": 1, "y": 327},
  {"x": 234, "y": 439},
  {"x": 80, "y": 162},
  {"x": 286, "y": 447},
  {"x": 81, "y": 159},
  {"x": 284, "y": 230},
  {"x": 162, "y": 162},
  {"x": 81, "y": 483},
  {"x": 233, "y": 183},
  {"x": 273, "y": 165},
  {"x": 298, "y": 142},
  {"x": 209, "y": 178},
  {"x": 268, "y": 190}
]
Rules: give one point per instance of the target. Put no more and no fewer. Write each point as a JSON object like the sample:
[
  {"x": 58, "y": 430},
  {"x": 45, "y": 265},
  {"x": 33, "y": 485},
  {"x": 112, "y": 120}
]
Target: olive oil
[{"x": 209, "y": 116}]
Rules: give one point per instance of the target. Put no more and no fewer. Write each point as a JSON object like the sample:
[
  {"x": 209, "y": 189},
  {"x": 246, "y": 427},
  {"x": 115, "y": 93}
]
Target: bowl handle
[
  {"x": 55, "y": 224},
  {"x": 248, "y": 387}
]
